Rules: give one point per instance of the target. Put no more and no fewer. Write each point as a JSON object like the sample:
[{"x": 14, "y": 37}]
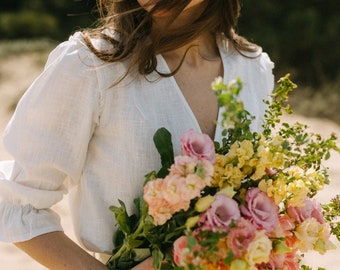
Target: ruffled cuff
[{"x": 20, "y": 223}]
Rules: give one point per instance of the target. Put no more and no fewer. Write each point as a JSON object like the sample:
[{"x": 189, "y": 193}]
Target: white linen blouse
[{"x": 75, "y": 131}]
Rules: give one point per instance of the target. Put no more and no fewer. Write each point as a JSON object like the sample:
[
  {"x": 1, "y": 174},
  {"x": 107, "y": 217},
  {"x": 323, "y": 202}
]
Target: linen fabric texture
[{"x": 74, "y": 131}]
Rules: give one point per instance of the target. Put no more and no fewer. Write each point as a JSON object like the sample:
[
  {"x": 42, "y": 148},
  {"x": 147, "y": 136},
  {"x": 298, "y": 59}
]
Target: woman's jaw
[{"x": 149, "y": 4}]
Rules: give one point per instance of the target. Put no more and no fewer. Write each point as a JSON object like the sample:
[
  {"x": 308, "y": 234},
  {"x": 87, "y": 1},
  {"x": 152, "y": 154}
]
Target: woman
[{"x": 85, "y": 126}]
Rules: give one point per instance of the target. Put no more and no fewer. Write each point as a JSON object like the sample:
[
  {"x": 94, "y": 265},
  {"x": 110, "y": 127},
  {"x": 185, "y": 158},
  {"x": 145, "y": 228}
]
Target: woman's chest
[
  {"x": 132, "y": 114},
  {"x": 196, "y": 89}
]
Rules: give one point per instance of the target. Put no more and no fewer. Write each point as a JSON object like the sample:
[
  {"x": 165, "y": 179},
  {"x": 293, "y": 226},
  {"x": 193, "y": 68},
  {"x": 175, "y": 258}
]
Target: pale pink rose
[
  {"x": 221, "y": 213},
  {"x": 184, "y": 165},
  {"x": 261, "y": 210},
  {"x": 193, "y": 187},
  {"x": 198, "y": 145},
  {"x": 240, "y": 237},
  {"x": 207, "y": 173},
  {"x": 171, "y": 194},
  {"x": 173, "y": 191},
  {"x": 311, "y": 209},
  {"x": 159, "y": 208}
]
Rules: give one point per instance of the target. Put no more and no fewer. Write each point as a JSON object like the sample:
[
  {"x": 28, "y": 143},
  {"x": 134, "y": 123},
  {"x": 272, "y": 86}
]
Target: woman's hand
[{"x": 144, "y": 265}]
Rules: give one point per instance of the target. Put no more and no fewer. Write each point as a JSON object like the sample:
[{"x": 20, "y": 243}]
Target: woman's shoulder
[
  {"x": 74, "y": 50},
  {"x": 76, "y": 56},
  {"x": 256, "y": 56}
]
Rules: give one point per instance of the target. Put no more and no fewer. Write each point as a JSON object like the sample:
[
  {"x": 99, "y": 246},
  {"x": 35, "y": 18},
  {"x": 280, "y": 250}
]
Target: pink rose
[
  {"x": 179, "y": 246},
  {"x": 240, "y": 237},
  {"x": 221, "y": 213},
  {"x": 311, "y": 209},
  {"x": 182, "y": 254},
  {"x": 198, "y": 145},
  {"x": 261, "y": 210}
]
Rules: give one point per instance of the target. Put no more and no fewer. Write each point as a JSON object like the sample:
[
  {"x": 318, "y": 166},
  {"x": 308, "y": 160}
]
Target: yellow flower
[
  {"x": 298, "y": 191},
  {"x": 307, "y": 233},
  {"x": 218, "y": 177},
  {"x": 277, "y": 140},
  {"x": 278, "y": 160},
  {"x": 221, "y": 160},
  {"x": 233, "y": 176},
  {"x": 259, "y": 249},
  {"x": 296, "y": 172},
  {"x": 253, "y": 162},
  {"x": 315, "y": 180},
  {"x": 232, "y": 151},
  {"x": 259, "y": 172},
  {"x": 275, "y": 189},
  {"x": 245, "y": 149}
]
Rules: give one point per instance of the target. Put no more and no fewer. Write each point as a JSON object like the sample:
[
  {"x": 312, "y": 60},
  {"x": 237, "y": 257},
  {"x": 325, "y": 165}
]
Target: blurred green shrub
[
  {"x": 27, "y": 24},
  {"x": 302, "y": 37}
]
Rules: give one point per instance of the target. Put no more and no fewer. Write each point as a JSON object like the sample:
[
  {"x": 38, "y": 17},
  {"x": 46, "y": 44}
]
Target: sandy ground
[{"x": 16, "y": 74}]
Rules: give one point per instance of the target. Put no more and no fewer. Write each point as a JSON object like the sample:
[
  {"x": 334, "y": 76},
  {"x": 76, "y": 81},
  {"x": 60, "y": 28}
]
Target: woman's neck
[{"x": 202, "y": 49}]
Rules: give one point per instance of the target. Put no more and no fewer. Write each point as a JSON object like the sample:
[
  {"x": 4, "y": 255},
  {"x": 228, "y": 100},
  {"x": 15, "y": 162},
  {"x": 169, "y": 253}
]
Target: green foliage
[
  {"x": 55, "y": 19},
  {"x": 331, "y": 212},
  {"x": 303, "y": 149},
  {"x": 301, "y": 37},
  {"x": 27, "y": 24},
  {"x": 137, "y": 237},
  {"x": 236, "y": 120},
  {"x": 163, "y": 143}
]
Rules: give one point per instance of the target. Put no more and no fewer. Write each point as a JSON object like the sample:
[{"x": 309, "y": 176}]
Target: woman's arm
[{"x": 56, "y": 251}]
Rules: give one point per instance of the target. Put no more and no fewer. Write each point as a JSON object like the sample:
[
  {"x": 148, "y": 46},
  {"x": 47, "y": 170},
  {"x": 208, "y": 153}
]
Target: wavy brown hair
[{"x": 133, "y": 25}]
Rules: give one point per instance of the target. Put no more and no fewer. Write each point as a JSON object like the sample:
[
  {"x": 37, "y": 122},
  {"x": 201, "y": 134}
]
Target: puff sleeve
[{"x": 48, "y": 138}]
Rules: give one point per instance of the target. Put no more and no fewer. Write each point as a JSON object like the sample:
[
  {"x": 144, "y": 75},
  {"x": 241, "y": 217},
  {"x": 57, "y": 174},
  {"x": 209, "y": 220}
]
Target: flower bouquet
[{"x": 244, "y": 203}]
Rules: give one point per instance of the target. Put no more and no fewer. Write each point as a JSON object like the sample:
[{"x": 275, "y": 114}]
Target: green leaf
[
  {"x": 133, "y": 243},
  {"x": 118, "y": 238},
  {"x": 157, "y": 256},
  {"x": 142, "y": 207},
  {"x": 163, "y": 143},
  {"x": 140, "y": 254},
  {"x": 122, "y": 217}
]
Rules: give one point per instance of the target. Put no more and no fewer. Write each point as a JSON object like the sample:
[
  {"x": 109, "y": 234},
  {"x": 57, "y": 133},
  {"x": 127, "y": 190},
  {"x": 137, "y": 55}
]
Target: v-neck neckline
[{"x": 182, "y": 97}]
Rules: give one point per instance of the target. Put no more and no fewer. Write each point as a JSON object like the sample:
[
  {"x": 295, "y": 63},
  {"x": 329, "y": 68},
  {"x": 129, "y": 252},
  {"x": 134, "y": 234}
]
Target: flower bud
[
  {"x": 238, "y": 265},
  {"x": 192, "y": 221},
  {"x": 229, "y": 191},
  {"x": 320, "y": 246},
  {"x": 204, "y": 203},
  {"x": 280, "y": 247}
]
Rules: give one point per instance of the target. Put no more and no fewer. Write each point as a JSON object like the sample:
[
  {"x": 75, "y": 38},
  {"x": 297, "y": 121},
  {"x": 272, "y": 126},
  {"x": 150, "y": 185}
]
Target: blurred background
[{"x": 302, "y": 38}]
